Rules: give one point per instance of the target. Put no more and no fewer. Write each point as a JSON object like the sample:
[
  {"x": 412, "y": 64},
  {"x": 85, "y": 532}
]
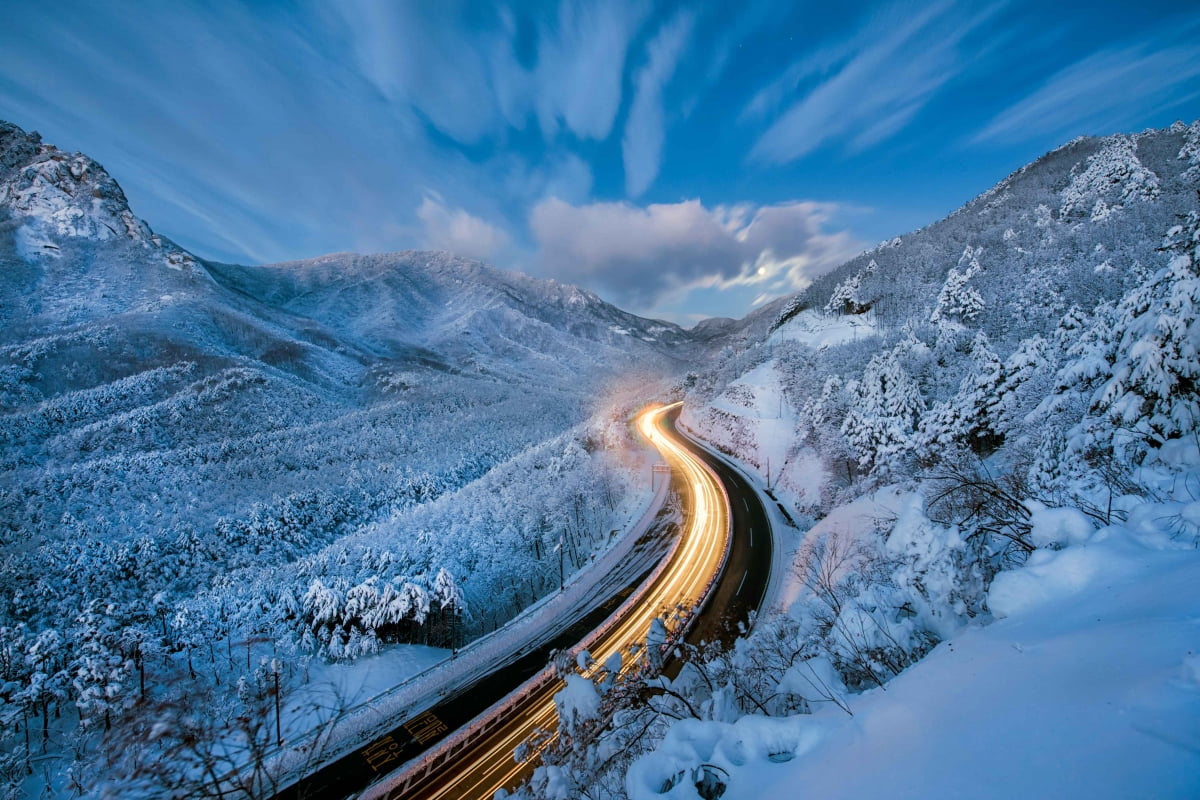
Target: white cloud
[
  {"x": 643, "y": 255},
  {"x": 468, "y": 80},
  {"x": 1107, "y": 91},
  {"x": 877, "y": 82},
  {"x": 459, "y": 232},
  {"x": 581, "y": 62},
  {"x": 642, "y": 144}
]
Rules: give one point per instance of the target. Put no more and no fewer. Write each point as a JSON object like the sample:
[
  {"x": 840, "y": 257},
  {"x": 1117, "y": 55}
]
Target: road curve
[
  {"x": 743, "y": 583},
  {"x": 722, "y": 554}
]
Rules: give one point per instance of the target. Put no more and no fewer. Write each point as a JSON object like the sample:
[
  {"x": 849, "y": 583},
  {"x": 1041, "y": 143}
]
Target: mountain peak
[{"x": 54, "y": 195}]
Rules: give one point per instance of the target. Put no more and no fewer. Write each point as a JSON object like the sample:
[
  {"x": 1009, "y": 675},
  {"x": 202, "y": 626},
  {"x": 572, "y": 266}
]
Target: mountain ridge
[
  {"x": 78, "y": 255},
  {"x": 1091, "y": 178}
]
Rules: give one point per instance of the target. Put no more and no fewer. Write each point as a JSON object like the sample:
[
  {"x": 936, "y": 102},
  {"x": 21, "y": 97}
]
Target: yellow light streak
[{"x": 685, "y": 579}]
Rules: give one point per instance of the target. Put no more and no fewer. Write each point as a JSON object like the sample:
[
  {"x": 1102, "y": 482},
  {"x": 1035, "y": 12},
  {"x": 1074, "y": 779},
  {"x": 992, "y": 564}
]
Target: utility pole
[{"x": 278, "y": 724}]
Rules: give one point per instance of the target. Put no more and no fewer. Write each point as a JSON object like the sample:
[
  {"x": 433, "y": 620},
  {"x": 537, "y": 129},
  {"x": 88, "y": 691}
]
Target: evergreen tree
[
  {"x": 1138, "y": 364},
  {"x": 849, "y": 296},
  {"x": 1152, "y": 388},
  {"x": 958, "y": 302},
  {"x": 971, "y": 418},
  {"x": 880, "y": 427}
]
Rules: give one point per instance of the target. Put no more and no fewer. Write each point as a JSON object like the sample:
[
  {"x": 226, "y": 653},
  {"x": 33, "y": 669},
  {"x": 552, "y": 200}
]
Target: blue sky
[{"x": 683, "y": 160}]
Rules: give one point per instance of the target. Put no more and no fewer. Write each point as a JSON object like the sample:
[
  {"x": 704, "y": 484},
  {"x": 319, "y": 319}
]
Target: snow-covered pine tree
[
  {"x": 881, "y": 427},
  {"x": 1129, "y": 384},
  {"x": 1113, "y": 179},
  {"x": 958, "y": 302},
  {"x": 971, "y": 417},
  {"x": 445, "y": 612},
  {"x": 849, "y": 297},
  {"x": 1154, "y": 348},
  {"x": 101, "y": 676},
  {"x": 1027, "y": 377}
]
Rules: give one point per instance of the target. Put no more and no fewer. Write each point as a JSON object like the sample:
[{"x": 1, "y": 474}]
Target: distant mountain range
[{"x": 78, "y": 257}]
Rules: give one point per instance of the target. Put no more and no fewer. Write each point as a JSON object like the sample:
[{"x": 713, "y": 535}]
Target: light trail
[{"x": 484, "y": 763}]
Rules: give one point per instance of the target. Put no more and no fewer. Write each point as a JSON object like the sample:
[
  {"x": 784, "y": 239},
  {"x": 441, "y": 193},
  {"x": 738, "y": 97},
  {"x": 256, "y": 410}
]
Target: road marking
[
  {"x": 746, "y": 503},
  {"x": 752, "y": 538},
  {"x": 425, "y": 727},
  {"x": 743, "y": 583},
  {"x": 382, "y": 752}
]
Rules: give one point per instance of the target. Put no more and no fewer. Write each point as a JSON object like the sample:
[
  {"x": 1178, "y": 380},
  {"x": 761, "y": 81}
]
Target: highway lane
[
  {"x": 743, "y": 583},
  {"x": 479, "y": 764}
]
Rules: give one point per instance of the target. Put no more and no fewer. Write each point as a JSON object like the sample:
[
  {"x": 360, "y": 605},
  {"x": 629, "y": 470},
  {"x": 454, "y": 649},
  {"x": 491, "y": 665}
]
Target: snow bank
[
  {"x": 1091, "y": 689},
  {"x": 1051, "y": 575},
  {"x": 695, "y": 751},
  {"x": 818, "y": 331}
]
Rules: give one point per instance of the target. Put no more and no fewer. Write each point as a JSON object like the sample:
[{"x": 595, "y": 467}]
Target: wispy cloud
[
  {"x": 275, "y": 131},
  {"x": 870, "y": 86},
  {"x": 643, "y": 141},
  {"x": 644, "y": 255},
  {"x": 582, "y": 63},
  {"x": 414, "y": 54},
  {"x": 459, "y": 232},
  {"x": 210, "y": 131},
  {"x": 469, "y": 81},
  {"x": 270, "y": 133},
  {"x": 1108, "y": 90}
]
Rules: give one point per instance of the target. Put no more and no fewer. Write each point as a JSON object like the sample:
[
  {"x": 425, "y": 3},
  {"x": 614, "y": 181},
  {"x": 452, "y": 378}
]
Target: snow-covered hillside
[
  {"x": 988, "y": 431},
  {"x": 925, "y": 321},
  {"x": 448, "y": 312},
  {"x": 206, "y": 464}
]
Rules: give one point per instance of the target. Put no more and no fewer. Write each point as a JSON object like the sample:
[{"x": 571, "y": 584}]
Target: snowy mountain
[
  {"x": 452, "y": 313},
  {"x": 77, "y": 254},
  {"x": 308, "y": 460},
  {"x": 1056, "y": 240},
  {"x": 119, "y": 348},
  {"x": 57, "y": 195},
  {"x": 986, "y": 433}
]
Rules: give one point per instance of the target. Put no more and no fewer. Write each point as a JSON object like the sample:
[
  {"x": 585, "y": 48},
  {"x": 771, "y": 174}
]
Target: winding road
[{"x": 721, "y": 562}]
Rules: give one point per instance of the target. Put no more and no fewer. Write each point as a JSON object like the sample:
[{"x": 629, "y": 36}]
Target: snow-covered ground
[
  {"x": 753, "y": 422},
  {"x": 1089, "y": 686},
  {"x": 757, "y": 398},
  {"x": 819, "y": 331}
]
